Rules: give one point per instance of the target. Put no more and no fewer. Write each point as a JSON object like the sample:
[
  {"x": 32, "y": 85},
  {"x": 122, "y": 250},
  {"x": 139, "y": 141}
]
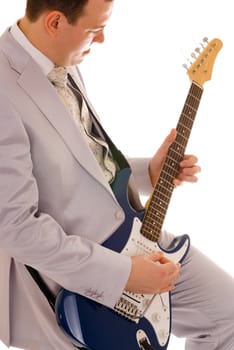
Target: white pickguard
[{"x": 156, "y": 308}]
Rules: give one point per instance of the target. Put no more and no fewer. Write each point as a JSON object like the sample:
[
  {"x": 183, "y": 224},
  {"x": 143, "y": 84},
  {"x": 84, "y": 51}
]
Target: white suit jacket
[{"x": 56, "y": 207}]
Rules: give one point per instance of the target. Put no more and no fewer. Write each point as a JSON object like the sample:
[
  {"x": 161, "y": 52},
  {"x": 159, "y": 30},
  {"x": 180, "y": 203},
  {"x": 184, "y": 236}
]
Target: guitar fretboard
[{"x": 160, "y": 198}]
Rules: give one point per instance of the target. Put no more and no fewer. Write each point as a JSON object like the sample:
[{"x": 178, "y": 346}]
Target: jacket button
[{"x": 120, "y": 215}]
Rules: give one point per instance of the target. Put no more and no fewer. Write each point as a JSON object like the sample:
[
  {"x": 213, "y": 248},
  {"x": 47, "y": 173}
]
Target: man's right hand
[{"x": 152, "y": 274}]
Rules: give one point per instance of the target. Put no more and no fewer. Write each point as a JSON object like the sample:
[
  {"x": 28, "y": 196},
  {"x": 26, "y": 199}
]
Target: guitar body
[{"x": 93, "y": 326}]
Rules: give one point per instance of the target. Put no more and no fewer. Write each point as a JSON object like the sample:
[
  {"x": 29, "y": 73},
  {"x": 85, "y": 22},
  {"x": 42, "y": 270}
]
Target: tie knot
[{"x": 58, "y": 76}]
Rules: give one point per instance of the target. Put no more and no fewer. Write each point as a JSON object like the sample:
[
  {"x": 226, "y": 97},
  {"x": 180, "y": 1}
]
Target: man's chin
[{"x": 80, "y": 58}]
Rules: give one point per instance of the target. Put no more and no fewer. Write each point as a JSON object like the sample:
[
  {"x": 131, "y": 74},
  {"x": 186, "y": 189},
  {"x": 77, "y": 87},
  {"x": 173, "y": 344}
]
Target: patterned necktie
[
  {"x": 58, "y": 77},
  {"x": 78, "y": 109}
]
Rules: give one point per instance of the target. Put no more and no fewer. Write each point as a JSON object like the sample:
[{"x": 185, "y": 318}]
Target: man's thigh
[{"x": 203, "y": 304}]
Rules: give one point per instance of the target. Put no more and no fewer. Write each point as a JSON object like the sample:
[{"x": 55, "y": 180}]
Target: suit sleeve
[{"x": 141, "y": 175}]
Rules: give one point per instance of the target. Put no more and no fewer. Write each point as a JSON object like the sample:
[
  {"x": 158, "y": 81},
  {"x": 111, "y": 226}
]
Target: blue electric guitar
[{"x": 139, "y": 321}]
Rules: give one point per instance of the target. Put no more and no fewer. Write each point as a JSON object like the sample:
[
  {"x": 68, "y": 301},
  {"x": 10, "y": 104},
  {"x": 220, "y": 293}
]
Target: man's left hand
[{"x": 188, "y": 166}]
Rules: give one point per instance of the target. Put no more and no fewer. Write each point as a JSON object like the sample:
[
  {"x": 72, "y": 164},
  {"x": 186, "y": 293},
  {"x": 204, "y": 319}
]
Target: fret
[{"x": 157, "y": 208}]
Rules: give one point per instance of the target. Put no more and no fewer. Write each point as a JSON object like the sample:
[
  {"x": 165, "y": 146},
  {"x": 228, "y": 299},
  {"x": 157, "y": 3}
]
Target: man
[{"x": 57, "y": 204}]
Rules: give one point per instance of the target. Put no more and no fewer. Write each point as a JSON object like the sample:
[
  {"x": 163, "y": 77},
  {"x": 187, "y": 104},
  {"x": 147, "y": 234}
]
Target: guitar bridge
[{"x": 131, "y": 305}]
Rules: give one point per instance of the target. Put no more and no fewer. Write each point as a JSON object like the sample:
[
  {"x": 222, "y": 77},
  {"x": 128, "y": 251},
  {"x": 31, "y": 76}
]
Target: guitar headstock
[{"x": 201, "y": 69}]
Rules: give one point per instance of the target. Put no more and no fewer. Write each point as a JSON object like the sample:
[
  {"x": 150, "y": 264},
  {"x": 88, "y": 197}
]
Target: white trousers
[{"x": 203, "y": 304}]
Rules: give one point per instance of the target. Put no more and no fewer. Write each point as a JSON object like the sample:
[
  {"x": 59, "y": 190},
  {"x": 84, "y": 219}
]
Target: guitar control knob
[{"x": 156, "y": 317}]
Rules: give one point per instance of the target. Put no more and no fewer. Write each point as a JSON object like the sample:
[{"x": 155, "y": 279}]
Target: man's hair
[{"x": 72, "y": 9}]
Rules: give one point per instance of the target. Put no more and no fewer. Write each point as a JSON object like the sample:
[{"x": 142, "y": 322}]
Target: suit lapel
[
  {"x": 50, "y": 104},
  {"x": 41, "y": 91}
]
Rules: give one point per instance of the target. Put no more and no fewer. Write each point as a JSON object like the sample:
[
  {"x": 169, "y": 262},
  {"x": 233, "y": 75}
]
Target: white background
[{"x": 138, "y": 85}]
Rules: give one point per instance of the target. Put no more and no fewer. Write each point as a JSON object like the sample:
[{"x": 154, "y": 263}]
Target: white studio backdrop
[{"x": 138, "y": 86}]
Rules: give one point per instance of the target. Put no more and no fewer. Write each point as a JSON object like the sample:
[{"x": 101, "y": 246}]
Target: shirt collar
[{"x": 44, "y": 62}]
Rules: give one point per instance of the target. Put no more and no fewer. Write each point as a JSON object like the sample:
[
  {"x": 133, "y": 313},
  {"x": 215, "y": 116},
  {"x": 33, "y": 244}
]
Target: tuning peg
[
  {"x": 198, "y": 50},
  {"x": 193, "y": 55},
  {"x": 205, "y": 40},
  {"x": 185, "y": 66}
]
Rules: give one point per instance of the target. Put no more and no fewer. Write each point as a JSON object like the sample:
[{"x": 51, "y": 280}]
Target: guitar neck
[{"x": 160, "y": 198}]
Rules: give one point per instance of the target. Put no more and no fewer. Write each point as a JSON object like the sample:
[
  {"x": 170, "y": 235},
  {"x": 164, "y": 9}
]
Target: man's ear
[{"x": 52, "y": 22}]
